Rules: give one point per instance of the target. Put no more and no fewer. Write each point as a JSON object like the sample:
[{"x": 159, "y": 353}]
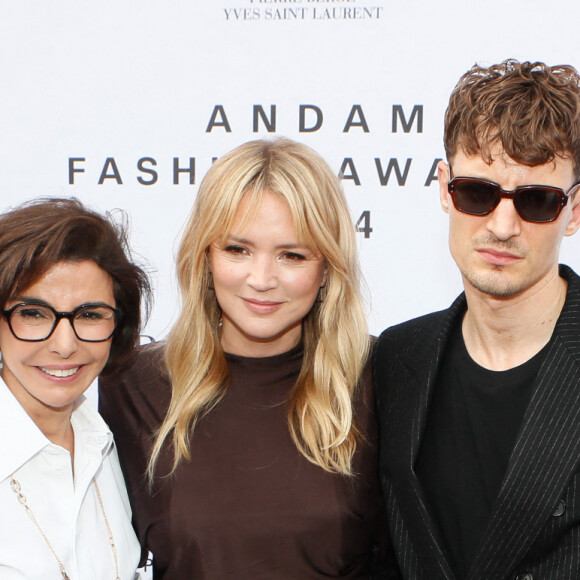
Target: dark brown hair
[
  {"x": 529, "y": 109},
  {"x": 38, "y": 234}
]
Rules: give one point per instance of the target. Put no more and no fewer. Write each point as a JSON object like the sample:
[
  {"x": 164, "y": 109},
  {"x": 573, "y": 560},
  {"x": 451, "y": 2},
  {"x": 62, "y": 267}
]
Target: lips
[
  {"x": 60, "y": 373},
  {"x": 498, "y": 258},
  {"x": 262, "y": 306}
]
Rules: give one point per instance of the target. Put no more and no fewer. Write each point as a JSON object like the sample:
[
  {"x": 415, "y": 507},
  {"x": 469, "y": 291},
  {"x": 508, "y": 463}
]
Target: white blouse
[{"x": 66, "y": 507}]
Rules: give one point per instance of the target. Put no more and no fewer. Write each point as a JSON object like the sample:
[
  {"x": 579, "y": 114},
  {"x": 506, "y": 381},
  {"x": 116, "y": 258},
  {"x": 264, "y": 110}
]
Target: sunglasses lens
[
  {"x": 475, "y": 197},
  {"x": 538, "y": 204}
]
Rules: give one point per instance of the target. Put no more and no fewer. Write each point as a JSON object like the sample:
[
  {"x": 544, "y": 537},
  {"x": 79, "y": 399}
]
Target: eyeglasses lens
[
  {"x": 475, "y": 198},
  {"x": 538, "y": 205}
]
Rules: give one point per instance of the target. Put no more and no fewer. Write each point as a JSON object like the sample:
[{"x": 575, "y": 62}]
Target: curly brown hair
[{"x": 529, "y": 109}]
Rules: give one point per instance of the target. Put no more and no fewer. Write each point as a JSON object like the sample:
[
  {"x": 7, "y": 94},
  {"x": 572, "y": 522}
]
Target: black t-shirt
[{"x": 474, "y": 417}]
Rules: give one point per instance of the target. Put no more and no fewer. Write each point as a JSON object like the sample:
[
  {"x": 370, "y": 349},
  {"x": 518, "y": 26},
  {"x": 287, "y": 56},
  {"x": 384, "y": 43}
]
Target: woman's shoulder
[
  {"x": 142, "y": 383},
  {"x": 363, "y": 399},
  {"x": 146, "y": 363},
  {"x": 149, "y": 358}
]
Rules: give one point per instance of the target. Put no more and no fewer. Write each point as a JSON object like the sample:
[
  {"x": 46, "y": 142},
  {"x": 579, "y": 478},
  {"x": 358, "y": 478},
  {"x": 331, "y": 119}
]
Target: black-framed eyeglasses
[
  {"x": 35, "y": 322},
  {"x": 538, "y": 204}
]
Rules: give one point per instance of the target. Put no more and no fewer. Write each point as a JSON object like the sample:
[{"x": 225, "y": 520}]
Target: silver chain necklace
[{"x": 16, "y": 488}]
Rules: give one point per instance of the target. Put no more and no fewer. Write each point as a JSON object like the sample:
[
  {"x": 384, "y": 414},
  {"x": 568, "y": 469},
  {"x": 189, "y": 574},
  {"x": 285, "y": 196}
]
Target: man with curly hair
[{"x": 480, "y": 404}]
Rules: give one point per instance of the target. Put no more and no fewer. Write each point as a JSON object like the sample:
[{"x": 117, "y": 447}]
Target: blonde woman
[{"x": 254, "y": 422}]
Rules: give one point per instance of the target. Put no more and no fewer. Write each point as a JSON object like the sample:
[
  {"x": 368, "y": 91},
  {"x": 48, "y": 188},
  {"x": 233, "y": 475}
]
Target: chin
[{"x": 495, "y": 284}]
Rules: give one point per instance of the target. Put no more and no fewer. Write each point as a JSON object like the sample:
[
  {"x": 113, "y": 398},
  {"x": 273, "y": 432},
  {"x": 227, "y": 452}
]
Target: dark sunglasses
[{"x": 538, "y": 204}]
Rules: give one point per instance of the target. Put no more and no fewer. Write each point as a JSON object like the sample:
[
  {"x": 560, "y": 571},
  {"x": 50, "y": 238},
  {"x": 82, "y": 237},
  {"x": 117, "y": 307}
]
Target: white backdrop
[
  {"x": 122, "y": 88},
  {"x": 125, "y": 84}
]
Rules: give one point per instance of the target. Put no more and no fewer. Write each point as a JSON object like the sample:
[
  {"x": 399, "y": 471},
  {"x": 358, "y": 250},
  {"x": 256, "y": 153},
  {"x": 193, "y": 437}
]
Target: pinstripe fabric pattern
[{"x": 535, "y": 524}]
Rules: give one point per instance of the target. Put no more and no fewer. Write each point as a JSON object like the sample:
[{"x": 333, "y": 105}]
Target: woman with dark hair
[{"x": 70, "y": 301}]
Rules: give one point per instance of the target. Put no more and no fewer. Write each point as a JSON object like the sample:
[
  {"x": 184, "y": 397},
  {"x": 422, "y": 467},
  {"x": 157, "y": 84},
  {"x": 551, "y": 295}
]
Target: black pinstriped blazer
[{"x": 534, "y": 529}]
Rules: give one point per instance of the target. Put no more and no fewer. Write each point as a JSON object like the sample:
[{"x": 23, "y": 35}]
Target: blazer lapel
[
  {"x": 546, "y": 453},
  {"x": 405, "y": 427}
]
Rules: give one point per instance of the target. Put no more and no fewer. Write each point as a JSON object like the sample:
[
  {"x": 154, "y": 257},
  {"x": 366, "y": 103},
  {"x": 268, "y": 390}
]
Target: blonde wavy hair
[{"x": 334, "y": 332}]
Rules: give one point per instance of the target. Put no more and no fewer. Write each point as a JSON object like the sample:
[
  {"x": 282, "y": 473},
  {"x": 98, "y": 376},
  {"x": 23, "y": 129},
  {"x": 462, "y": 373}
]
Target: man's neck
[{"x": 502, "y": 333}]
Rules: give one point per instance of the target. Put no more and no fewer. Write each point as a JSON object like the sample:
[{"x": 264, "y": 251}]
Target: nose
[
  {"x": 63, "y": 340},
  {"x": 262, "y": 274},
  {"x": 504, "y": 222}
]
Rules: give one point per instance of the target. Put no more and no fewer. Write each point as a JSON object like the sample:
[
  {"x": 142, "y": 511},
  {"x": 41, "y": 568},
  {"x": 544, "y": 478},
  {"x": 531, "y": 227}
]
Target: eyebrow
[
  {"x": 40, "y": 302},
  {"x": 292, "y": 246},
  {"x": 30, "y": 300}
]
